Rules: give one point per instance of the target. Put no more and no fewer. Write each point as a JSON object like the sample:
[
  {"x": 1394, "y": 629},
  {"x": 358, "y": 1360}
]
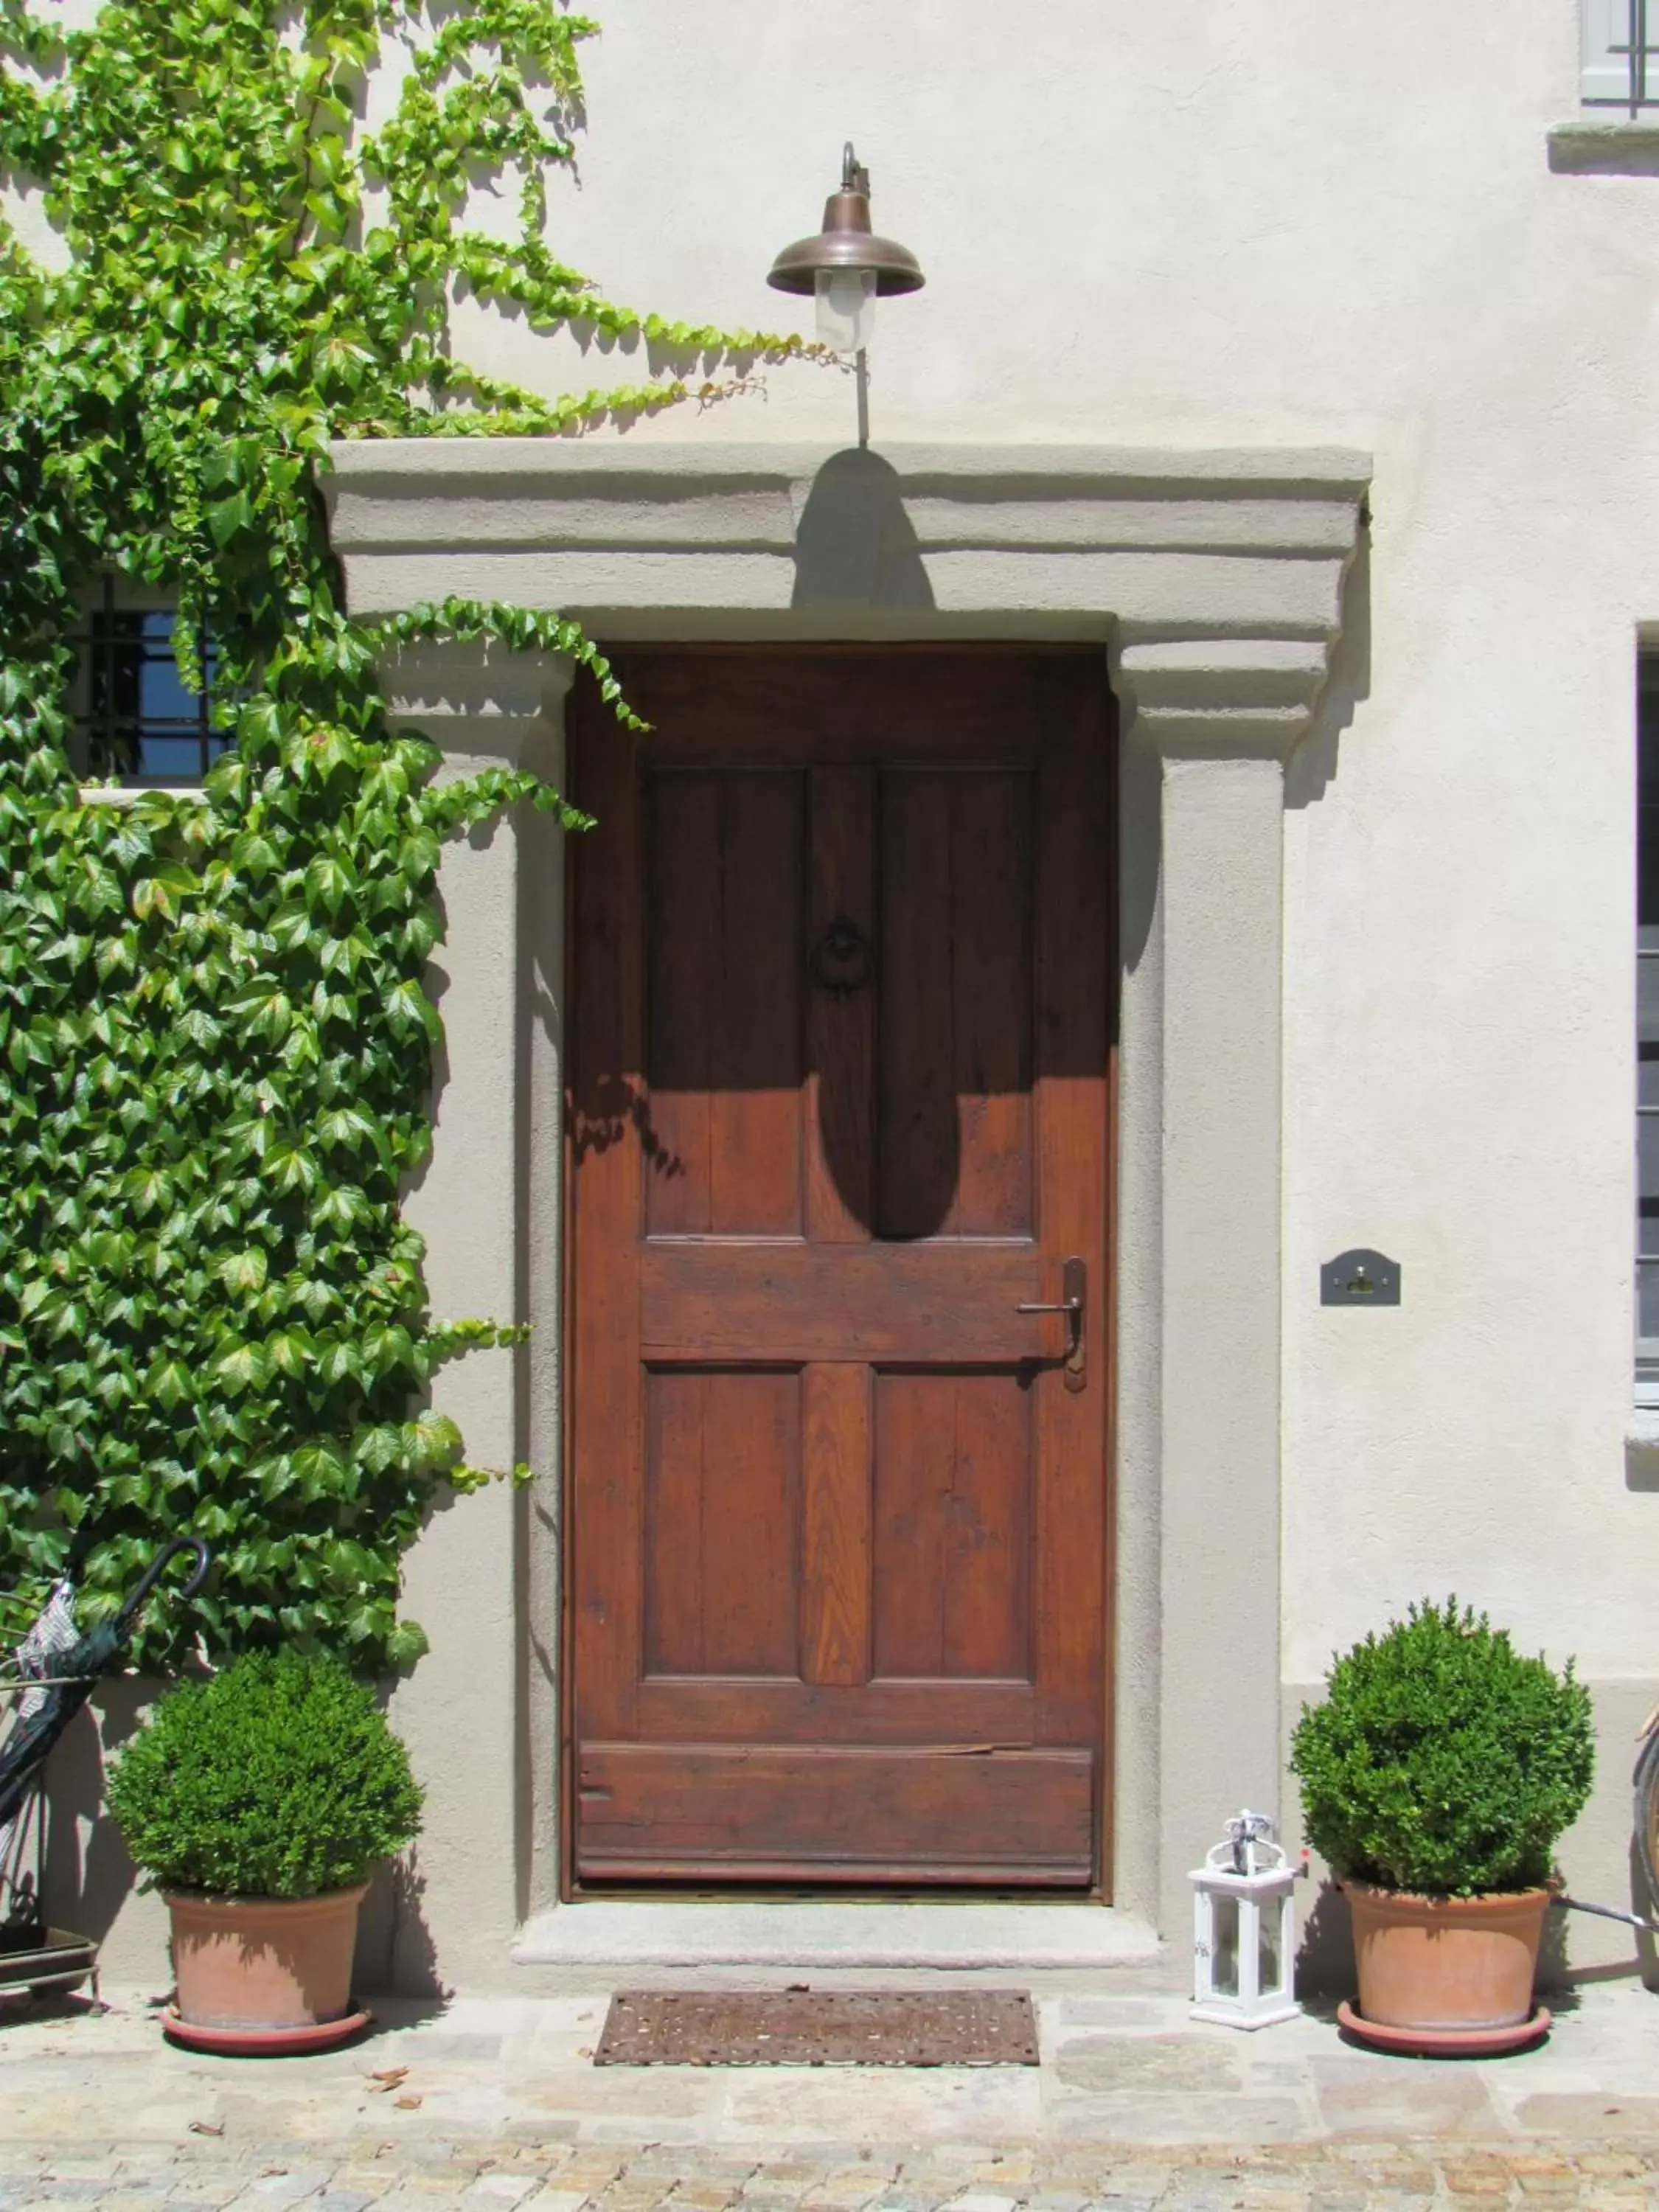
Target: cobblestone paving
[
  {"x": 495, "y": 2105},
  {"x": 515, "y": 2177}
]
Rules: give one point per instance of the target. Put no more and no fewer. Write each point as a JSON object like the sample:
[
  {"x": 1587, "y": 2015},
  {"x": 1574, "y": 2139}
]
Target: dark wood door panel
[
  {"x": 956, "y": 1013},
  {"x": 729, "y": 1300},
  {"x": 765, "y": 1812},
  {"x": 725, "y": 985},
  {"x": 831, "y": 708},
  {"x": 721, "y": 1521},
  {"x": 958, "y": 1715},
  {"x": 839, "y": 1101},
  {"x": 952, "y": 1541},
  {"x": 840, "y": 1105}
]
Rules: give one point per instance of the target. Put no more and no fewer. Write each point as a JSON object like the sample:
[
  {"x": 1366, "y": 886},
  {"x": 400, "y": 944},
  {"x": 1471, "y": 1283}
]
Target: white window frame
[{"x": 1619, "y": 68}]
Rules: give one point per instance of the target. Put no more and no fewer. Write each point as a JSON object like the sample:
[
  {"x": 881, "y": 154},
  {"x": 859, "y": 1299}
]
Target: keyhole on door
[{"x": 840, "y": 959}]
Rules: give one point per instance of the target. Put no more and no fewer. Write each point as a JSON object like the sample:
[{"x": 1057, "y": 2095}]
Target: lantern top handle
[
  {"x": 1247, "y": 1847},
  {"x": 854, "y": 177}
]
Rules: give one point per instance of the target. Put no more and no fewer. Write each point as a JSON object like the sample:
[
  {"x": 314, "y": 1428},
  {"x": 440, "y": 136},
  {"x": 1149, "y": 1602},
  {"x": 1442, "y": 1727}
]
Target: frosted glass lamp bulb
[{"x": 847, "y": 308}]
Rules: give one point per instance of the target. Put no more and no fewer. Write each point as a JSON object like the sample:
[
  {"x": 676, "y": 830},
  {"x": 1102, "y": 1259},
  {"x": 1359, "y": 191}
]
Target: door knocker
[{"x": 840, "y": 959}]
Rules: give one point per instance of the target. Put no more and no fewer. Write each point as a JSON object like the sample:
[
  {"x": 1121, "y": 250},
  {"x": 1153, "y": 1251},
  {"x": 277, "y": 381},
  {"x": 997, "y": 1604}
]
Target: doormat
[{"x": 801, "y": 2026}]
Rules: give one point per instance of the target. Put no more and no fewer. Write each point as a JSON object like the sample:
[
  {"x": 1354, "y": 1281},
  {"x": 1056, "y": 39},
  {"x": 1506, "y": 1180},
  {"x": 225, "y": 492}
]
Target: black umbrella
[{"x": 75, "y": 1672}]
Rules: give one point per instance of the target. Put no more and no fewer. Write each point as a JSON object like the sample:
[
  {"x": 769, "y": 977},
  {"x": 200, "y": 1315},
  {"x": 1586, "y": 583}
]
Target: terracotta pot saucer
[
  {"x": 263, "y": 2042},
  {"x": 1443, "y": 2042}
]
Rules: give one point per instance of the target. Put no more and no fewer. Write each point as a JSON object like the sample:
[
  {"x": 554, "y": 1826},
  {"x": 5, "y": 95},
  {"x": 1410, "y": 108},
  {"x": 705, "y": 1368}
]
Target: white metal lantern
[{"x": 1245, "y": 1928}]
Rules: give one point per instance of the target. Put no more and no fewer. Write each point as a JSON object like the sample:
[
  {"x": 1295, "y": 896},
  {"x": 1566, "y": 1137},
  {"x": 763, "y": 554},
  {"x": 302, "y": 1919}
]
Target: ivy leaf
[
  {"x": 264, "y": 1013},
  {"x": 289, "y": 1350},
  {"x": 147, "y": 1189},
  {"x": 228, "y": 518},
  {"x": 291, "y": 1169},
  {"x": 418, "y": 855},
  {"x": 434, "y": 1442},
  {"x": 255, "y": 856},
  {"x": 344, "y": 1129},
  {"x": 245, "y": 1367},
  {"x": 168, "y": 1383},
  {"x": 319, "y": 1468},
  {"x": 164, "y": 892},
  {"x": 329, "y": 884},
  {"x": 197, "y": 1027},
  {"x": 407, "y": 1008},
  {"x": 244, "y": 1270},
  {"x": 407, "y": 1643}
]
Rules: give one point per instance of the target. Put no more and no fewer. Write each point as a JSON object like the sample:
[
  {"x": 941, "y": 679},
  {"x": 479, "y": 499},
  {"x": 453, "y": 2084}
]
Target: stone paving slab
[
  {"x": 1357, "y": 2177},
  {"x": 498, "y": 2108}
]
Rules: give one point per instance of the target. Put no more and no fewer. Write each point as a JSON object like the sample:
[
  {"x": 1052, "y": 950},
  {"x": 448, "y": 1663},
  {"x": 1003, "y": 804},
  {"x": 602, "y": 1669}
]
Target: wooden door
[{"x": 844, "y": 992}]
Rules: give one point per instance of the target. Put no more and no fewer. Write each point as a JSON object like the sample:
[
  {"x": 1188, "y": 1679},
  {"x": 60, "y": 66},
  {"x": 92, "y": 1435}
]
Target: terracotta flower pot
[
  {"x": 263, "y": 1962},
  {"x": 1439, "y": 1964}
]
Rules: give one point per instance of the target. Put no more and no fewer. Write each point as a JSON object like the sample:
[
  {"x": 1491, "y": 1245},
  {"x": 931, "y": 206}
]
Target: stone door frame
[{"x": 1213, "y": 581}]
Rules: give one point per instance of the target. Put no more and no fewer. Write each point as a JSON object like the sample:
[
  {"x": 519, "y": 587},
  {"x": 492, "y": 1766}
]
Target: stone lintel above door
[
  {"x": 1215, "y": 575},
  {"x": 1214, "y": 580}
]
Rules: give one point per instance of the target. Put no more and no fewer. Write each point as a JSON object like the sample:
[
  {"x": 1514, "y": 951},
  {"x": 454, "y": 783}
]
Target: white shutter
[{"x": 1608, "y": 28}]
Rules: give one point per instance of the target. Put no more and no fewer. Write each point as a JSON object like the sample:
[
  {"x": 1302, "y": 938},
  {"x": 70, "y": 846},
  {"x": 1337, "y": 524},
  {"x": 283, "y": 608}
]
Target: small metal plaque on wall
[{"x": 1359, "y": 1278}]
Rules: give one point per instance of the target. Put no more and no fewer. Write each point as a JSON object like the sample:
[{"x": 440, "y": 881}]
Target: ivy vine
[{"x": 216, "y": 1043}]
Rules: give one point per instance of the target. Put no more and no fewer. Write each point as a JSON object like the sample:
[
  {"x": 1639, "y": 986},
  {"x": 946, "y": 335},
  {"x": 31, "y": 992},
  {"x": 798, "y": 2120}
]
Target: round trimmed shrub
[
  {"x": 1442, "y": 1762},
  {"x": 280, "y": 1777}
]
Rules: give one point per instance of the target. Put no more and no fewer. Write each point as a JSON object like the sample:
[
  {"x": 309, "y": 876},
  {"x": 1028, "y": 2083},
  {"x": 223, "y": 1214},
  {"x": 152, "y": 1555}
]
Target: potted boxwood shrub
[
  {"x": 1436, "y": 1778},
  {"x": 258, "y": 1802}
]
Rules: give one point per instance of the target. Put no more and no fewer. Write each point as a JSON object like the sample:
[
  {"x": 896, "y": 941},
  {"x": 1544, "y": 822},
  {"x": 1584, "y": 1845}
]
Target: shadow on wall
[
  {"x": 1647, "y": 1950},
  {"x": 1324, "y": 1964},
  {"x": 396, "y": 1954},
  {"x": 395, "y": 1950},
  {"x": 1311, "y": 768},
  {"x": 1555, "y": 1972},
  {"x": 89, "y": 1876},
  {"x": 855, "y": 545},
  {"x": 1140, "y": 846}
]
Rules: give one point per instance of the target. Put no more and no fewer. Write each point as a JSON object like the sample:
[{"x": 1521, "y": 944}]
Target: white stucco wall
[{"x": 1282, "y": 221}]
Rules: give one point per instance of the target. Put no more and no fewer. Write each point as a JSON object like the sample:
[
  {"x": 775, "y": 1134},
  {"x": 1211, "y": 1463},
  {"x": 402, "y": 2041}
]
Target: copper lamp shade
[{"x": 847, "y": 244}]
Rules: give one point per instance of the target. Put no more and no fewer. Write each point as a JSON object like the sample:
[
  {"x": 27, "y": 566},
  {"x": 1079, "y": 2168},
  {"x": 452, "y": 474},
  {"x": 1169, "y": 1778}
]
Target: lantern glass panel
[
  {"x": 1223, "y": 1957},
  {"x": 1270, "y": 1968}
]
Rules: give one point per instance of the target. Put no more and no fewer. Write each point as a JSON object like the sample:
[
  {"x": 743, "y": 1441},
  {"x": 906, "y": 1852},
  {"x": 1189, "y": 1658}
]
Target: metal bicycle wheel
[{"x": 1646, "y": 1812}]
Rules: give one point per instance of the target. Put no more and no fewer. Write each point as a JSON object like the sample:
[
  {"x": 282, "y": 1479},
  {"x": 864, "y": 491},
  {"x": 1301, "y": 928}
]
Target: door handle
[{"x": 1074, "y": 1302}]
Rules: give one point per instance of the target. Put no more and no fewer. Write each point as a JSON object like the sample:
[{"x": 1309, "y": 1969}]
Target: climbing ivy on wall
[{"x": 216, "y": 1046}]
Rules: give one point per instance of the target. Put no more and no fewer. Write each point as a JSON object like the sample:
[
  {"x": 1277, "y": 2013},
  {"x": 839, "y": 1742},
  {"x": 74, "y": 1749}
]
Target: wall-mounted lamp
[{"x": 846, "y": 265}]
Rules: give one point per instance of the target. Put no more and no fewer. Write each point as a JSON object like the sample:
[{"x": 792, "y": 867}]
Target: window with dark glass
[
  {"x": 1647, "y": 1032},
  {"x": 134, "y": 721}
]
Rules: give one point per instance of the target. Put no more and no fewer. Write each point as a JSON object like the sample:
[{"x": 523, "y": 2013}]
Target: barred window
[
  {"x": 133, "y": 719},
  {"x": 1620, "y": 67},
  {"x": 1647, "y": 1033}
]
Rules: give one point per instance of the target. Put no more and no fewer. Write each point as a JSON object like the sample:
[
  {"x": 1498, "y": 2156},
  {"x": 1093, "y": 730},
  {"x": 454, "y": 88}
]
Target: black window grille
[
  {"x": 1634, "y": 73},
  {"x": 1646, "y": 1027},
  {"x": 133, "y": 720}
]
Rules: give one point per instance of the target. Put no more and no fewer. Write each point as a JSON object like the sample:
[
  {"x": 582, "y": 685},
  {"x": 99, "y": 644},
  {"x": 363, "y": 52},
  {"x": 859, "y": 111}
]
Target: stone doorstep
[{"x": 824, "y": 1932}]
